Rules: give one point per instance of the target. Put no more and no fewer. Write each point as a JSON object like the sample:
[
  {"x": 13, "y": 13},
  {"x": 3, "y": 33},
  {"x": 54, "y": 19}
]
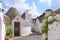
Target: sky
[{"x": 35, "y": 7}]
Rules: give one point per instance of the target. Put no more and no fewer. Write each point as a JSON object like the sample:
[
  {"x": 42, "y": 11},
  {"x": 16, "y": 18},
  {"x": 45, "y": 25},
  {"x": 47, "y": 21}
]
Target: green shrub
[{"x": 9, "y": 32}]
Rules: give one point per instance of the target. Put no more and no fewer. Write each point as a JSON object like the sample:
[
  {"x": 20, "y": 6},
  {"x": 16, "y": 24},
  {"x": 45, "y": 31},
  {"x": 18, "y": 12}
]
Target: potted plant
[
  {"x": 8, "y": 33},
  {"x": 8, "y": 30}
]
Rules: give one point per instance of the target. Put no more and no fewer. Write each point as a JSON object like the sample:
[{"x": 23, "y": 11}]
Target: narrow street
[{"x": 34, "y": 36}]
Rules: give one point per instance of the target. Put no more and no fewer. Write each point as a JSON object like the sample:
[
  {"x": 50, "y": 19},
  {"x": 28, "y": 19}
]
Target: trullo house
[{"x": 21, "y": 24}]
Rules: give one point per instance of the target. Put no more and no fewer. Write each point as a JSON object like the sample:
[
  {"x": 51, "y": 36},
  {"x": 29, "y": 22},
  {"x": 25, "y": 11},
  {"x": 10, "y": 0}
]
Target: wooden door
[{"x": 17, "y": 29}]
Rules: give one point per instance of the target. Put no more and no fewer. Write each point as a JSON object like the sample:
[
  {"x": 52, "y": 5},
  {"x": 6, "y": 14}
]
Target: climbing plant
[
  {"x": 45, "y": 27},
  {"x": 52, "y": 20},
  {"x": 46, "y": 23}
]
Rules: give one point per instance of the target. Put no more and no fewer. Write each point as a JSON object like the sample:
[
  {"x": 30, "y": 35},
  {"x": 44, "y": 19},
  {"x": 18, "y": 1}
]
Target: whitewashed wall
[
  {"x": 27, "y": 16},
  {"x": 38, "y": 26},
  {"x": 43, "y": 36},
  {"x": 25, "y": 30},
  {"x": 2, "y": 27},
  {"x": 54, "y": 30}
]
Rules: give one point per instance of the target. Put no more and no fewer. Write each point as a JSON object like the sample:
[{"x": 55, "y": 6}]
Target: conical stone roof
[
  {"x": 58, "y": 11},
  {"x": 12, "y": 13},
  {"x": 55, "y": 12}
]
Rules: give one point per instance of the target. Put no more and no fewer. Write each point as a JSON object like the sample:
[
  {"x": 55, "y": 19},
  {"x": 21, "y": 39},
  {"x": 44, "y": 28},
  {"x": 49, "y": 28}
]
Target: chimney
[
  {"x": 27, "y": 15},
  {"x": 27, "y": 11}
]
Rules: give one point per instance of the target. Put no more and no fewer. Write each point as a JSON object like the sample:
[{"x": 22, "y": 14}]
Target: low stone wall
[
  {"x": 43, "y": 36},
  {"x": 54, "y": 31}
]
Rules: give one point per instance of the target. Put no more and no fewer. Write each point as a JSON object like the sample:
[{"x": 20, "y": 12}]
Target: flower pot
[
  {"x": 46, "y": 38},
  {"x": 7, "y": 38}
]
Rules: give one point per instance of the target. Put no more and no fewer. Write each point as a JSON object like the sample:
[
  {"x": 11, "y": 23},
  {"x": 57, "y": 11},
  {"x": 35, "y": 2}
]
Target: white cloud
[
  {"x": 33, "y": 10},
  {"x": 43, "y": 1},
  {"x": 6, "y": 9},
  {"x": 48, "y": 2},
  {"x": 21, "y": 5},
  {"x": 55, "y": 4},
  {"x": 6, "y": 2}
]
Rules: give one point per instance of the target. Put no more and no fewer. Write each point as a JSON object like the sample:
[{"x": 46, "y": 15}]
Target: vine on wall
[{"x": 46, "y": 23}]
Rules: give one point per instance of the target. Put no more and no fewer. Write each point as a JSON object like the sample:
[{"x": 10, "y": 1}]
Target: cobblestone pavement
[{"x": 34, "y": 36}]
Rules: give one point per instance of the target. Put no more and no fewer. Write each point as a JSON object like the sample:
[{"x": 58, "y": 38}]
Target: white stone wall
[
  {"x": 2, "y": 27},
  {"x": 43, "y": 36},
  {"x": 25, "y": 30},
  {"x": 38, "y": 26},
  {"x": 28, "y": 16},
  {"x": 41, "y": 27},
  {"x": 54, "y": 30},
  {"x": 47, "y": 13}
]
